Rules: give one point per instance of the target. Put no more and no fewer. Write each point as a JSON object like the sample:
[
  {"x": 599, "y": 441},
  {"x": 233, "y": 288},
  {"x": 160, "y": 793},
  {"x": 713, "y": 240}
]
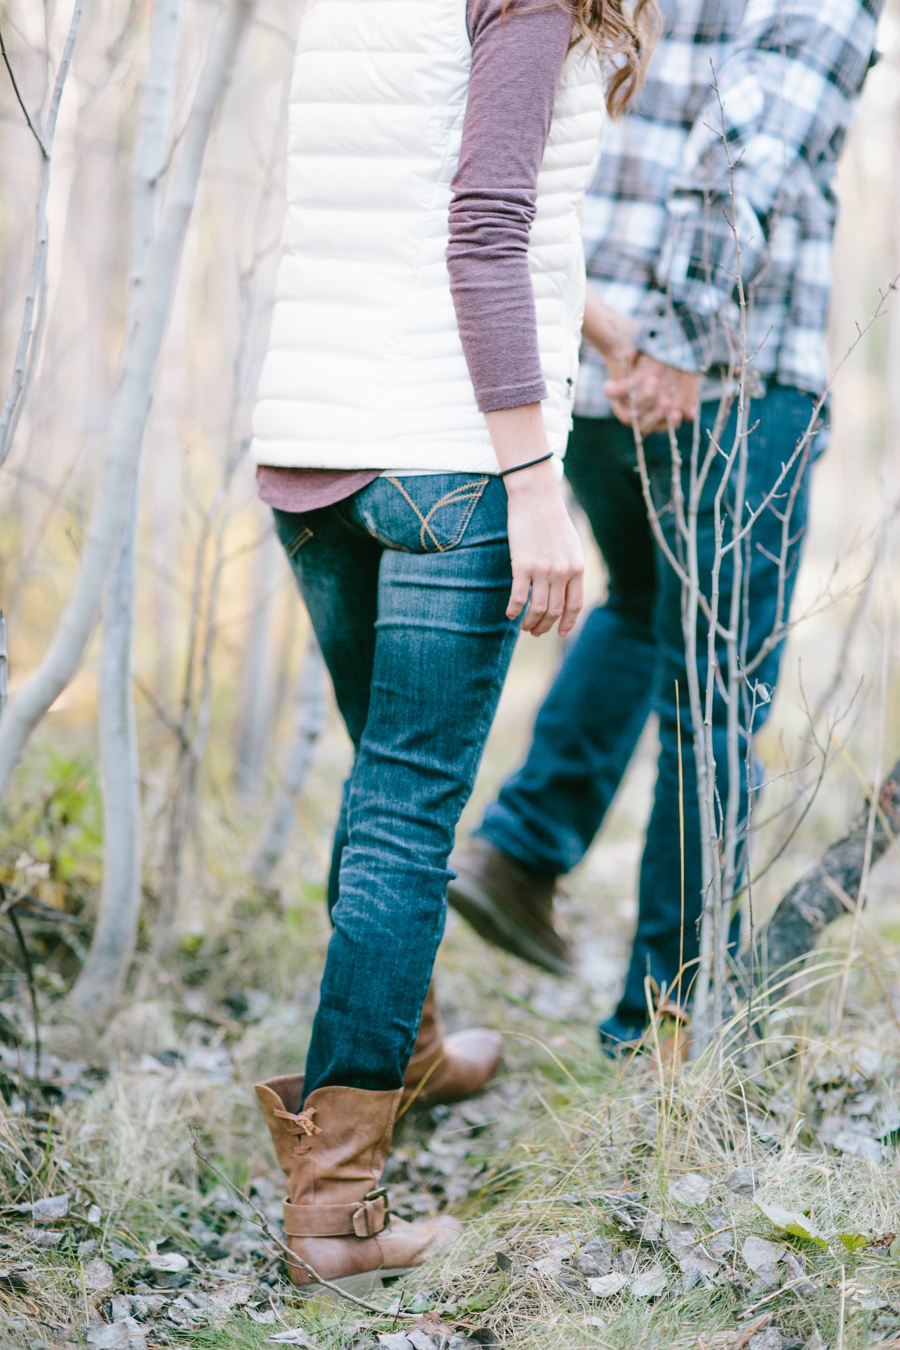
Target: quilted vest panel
[{"x": 365, "y": 367}]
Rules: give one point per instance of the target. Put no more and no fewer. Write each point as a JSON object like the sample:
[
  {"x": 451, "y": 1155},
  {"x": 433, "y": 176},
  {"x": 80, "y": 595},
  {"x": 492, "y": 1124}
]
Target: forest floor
[{"x": 619, "y": 1204}]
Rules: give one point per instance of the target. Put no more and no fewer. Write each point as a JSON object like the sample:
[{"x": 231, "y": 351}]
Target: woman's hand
[{"x": 544, "y": 547}]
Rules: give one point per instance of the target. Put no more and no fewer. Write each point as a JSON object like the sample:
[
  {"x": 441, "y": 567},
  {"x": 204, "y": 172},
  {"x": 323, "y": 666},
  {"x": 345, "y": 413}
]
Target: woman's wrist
[
  {"x": 519, "y": 438},
  {"x": 536, "y": 480}
]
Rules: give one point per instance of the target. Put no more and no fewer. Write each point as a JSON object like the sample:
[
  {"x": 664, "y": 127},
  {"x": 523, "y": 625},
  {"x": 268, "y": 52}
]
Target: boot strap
[{"x": 362, "y": 1219}]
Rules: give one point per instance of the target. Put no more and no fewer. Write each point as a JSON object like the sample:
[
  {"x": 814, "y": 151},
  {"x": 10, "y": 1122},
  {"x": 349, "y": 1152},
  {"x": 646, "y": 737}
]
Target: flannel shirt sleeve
[{"x": 773, "y": 125}]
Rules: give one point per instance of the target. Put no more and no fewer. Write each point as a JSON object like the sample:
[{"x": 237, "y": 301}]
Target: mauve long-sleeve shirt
[{"x": 518, "y": 50}]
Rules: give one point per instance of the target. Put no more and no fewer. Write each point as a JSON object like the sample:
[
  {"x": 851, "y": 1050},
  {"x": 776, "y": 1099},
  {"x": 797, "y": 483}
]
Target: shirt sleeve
[
  {"x": 770, "y": 132},
  {"x": 518, "y": 50}
]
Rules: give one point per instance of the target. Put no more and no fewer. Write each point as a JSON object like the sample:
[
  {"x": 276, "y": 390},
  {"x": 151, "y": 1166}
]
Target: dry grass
[{"x": 566, "y": 1149}]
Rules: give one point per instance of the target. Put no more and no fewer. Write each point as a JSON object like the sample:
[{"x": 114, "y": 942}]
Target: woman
[{"x": 413, "y": 412}]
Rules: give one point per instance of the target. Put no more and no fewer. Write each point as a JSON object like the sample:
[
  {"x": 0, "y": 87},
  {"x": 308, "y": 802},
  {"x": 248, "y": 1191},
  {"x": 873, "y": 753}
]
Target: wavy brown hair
[{"x": 625, "y": 34}]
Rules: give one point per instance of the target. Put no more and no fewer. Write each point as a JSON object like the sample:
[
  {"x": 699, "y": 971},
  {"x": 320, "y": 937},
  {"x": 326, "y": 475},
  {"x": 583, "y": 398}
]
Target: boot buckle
[
  {"x": 371, "y": 1217},
  {"x": 380, "y": 1194}
]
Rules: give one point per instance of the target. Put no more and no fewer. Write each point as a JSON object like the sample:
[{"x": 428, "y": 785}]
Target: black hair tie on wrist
[{"x": 530, "y": 465}]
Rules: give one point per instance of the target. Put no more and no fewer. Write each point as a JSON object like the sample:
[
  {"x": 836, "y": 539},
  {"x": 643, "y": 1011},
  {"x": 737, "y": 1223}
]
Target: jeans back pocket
[{"x": 423, "y": 513}]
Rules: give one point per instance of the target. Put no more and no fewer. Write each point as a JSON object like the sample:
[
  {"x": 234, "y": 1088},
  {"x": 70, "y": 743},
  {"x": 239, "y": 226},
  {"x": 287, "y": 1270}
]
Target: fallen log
[{"x": 824, "y": 892}]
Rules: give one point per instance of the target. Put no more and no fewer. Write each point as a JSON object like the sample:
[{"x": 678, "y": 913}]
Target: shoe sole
[
  {"x": 366, "y": 1282},
  {"x": 490, "y": 922}
]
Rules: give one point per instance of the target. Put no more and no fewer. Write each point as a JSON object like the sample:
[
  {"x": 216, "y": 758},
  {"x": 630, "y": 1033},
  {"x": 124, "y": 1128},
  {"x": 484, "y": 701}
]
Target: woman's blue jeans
[
  {"x": 406, "y": 584},
  {"x": 626, "y": 661}
]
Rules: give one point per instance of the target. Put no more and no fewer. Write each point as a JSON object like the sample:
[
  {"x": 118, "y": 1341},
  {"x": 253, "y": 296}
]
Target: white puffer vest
[{"x": 365, "y": 367}]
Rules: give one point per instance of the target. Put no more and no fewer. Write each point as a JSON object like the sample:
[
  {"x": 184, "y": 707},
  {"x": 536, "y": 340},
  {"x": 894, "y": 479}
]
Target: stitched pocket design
[
  {"x": 443, "y": 525},
  {"x": 302, "y": 537}
]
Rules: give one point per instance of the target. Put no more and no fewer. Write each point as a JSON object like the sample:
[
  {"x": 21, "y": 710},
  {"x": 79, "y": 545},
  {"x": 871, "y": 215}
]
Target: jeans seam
[{"x": 473, "y": 490}]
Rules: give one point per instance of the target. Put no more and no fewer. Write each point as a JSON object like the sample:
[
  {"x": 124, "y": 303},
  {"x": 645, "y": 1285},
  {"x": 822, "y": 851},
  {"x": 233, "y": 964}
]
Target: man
[{"x": 734, "y": 137}]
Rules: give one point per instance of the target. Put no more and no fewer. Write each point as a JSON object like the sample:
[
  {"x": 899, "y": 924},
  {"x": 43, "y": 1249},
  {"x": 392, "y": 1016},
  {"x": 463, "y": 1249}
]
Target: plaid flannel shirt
[{"x": 780, "y": 78}]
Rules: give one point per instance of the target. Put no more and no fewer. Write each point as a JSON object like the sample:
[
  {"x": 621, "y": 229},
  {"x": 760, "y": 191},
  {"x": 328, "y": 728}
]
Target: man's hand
[
  {"x": 658, "y": 395},
  {"x": 640, "y": 385}
]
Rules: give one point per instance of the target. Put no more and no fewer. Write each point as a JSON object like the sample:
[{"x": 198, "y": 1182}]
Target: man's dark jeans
[
  {"x": 407, "y": 584},
  {"x": 625, "y": 662}
]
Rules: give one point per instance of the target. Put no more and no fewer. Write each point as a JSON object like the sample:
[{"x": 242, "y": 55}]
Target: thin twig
[
  {"x": 21, "y": 101},
  {"x": 291, "y": 1257}
]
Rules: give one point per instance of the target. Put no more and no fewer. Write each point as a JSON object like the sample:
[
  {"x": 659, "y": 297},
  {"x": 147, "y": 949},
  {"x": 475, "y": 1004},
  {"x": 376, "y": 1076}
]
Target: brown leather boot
[
  {"x": 508, "y": 905},
  {"x": 333, "y": 1153},
  {"x": 451, "y": 1068}
]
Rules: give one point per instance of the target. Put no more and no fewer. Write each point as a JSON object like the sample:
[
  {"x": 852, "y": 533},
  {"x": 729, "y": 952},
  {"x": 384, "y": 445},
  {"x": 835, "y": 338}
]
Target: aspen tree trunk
[
  {"x": 311, "y": 712},
  {"x": 4, "y": 664},
  {"x": 131, "y": 406},
  {"x": 115, "y": 933},
  {"x": 258, "y": 685}
]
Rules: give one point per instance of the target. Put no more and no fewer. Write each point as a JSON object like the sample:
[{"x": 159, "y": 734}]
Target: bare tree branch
[
  {"x": 20, "y": 99},
  {"x": 29, "y": 336},
  {"x": 131, "y": 407}
]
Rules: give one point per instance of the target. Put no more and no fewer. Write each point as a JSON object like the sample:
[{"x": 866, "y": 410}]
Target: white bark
[
  {"x": 115, "y": 932},
  {"x": 258, "y": 686},
  {"x": 28, "y": 345},
  {"x": 4, "y": 664},
  {"x": 131, "y": 406},
  {"x": 311, "y": 712}
]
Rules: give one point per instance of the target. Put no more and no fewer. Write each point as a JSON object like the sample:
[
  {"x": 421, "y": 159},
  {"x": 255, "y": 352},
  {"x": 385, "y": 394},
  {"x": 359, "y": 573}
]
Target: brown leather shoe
[
  {"x": 451, "y": 1068},
  {"x": 333, "y": 1153},
  {"x": 508, "y": 905}
]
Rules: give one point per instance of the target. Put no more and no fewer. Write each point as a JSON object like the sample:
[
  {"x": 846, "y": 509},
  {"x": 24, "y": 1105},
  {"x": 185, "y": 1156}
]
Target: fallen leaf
[
  {"x": 758, "y": 1252},
  {"x": 120, "y": 1305},
  {"x": 392, "y": 1340},
  {"x": 594, "y": 1258},
  {"x": 649, "y": 1284},
  {"x": 421, "y": 1340},
  {"x": 691, "y": 1189},
  {"x": 743, "y": 1181},
  {"x": 679, "y": 1237},
  {"x": 605, "y": 1286},
  {"x": 43, "y": 1237},
  {"x": 54, "y": 1207},
  {"x": 770, "y": 1339},
  {"x": 124, "y": 1335},
  {"x": 766, "y": 1277},
  {"x": 637, "y": 1219},
  {"x": 172, "y": 1262},
  {"x": 94, "y": 1215},
  {"x": 296, "y": 1336},
  {"x": 696, "y": 1263},
  {"x": 792, "y": 1221},
  {"x": 853, "y": 1241},
  {"x": 98, "y": 1274},
  {"x": 796, "y": 1269},
  {"x": 230, "y": 1296},
  {"x": 119, "y": 1251}
]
